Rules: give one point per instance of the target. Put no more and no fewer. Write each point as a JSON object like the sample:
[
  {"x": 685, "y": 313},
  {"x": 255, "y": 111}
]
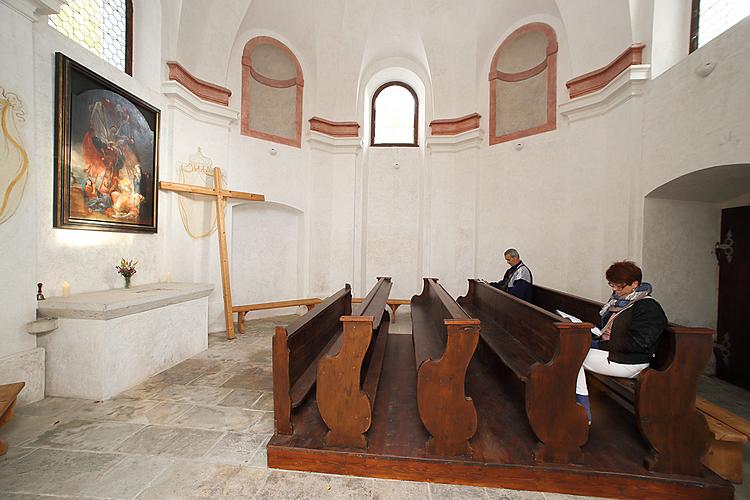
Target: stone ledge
[{"x": 119, "y": 302}]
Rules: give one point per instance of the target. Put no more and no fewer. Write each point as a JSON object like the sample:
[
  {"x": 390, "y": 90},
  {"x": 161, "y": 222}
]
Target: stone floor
[{"x": 199, "y": 430}]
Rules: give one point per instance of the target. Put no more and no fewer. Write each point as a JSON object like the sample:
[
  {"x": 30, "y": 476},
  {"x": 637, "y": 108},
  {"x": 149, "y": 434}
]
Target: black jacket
[{"x": 636, "y": 333}]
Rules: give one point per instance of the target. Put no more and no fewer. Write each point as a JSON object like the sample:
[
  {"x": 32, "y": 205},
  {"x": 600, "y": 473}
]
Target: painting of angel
[{"x": 106, "y": 154}]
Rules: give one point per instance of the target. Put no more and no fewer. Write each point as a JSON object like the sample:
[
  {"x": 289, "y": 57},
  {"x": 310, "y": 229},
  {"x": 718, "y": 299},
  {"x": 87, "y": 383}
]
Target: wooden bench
[
  {"x": 392, "y": 303},
  {"x": 545, "y": 354},
  {"x": 297, "y": 350},
  {"x": 729, "y": 434},
  {"x": 444, "y": 338},
  {"x": 663, "y": 396},
  {"x": 8, "y": 395},
  {"x": 348, "y": 375},
  {"x": 264, "y": 306}
]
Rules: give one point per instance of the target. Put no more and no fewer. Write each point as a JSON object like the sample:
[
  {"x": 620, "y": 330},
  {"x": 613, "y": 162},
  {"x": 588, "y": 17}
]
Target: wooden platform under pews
[{"x": 502, "y": 446}]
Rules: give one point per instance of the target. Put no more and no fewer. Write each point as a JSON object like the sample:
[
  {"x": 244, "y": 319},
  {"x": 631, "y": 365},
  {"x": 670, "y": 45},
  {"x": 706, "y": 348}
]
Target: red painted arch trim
[
  {"x": 550, "y": 64},
  {"x": 453, "y": 126},
  {"x": 248, "y": 72},
  {"x": 334, "y": 129}
]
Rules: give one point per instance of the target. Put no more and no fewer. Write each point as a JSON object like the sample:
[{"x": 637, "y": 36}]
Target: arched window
[
  {"x": 272, "y": 86},
  {"x": 105, "y": 27},
  {"x": 711, "y": 18},
  {"x": 395, "y": 111},
  {"x": 523, "y": 84}
]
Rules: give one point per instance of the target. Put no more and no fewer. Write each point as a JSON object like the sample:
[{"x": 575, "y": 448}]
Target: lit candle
[
  {"x": 169, "y": 277},
  {"x": 66, "y": 289}
]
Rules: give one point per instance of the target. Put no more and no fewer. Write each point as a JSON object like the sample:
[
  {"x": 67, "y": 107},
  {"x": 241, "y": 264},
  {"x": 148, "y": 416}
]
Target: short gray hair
[{"x": 512, "y": 252}]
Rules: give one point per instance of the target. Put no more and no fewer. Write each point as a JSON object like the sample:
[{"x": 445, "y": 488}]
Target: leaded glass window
[{"x": 102, "y": 26}]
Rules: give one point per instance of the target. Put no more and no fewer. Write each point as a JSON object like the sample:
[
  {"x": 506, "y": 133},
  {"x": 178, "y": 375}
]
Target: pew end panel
[
  {"x": 446, "y": 412},
  {"x": 282, "y": 402}
]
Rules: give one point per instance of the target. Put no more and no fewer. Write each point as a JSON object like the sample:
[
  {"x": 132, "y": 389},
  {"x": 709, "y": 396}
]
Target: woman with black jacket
[{"x": 632, "y": 324}]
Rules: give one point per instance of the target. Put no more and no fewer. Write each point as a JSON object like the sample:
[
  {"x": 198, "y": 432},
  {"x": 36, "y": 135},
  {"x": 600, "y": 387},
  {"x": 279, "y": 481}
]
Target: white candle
[
  {"x": 66, "y": 289},
  {"x": 169, "y": 277}
]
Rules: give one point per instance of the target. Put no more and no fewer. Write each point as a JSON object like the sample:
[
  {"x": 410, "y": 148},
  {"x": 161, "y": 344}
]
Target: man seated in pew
[
  {"x": 632, "y": 324},
  {"x": 517, "y": 280}
]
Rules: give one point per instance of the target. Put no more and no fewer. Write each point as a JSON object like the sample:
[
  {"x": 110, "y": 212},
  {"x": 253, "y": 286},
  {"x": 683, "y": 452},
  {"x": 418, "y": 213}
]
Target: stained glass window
[{"x": 102, "y": 26}]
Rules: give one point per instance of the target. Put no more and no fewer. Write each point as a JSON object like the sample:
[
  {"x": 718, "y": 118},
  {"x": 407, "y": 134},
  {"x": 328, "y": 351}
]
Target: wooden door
[{"x": 733, "y": 328}]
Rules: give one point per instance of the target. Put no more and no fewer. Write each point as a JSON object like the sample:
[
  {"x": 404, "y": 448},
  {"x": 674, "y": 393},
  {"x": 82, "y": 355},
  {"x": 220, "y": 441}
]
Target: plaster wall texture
[
  {"x": 85, "y": 259},
  {"x": 678, "y": 258},
  {"x": 17, "y": 236},
  {"x": 97, "y": 359},
  {"x": 25, "y": 366}
]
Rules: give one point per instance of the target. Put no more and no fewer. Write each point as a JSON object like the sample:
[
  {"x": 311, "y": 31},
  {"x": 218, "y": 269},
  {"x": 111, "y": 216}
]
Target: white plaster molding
[
  {"x": 628, "y": 84},
  {"x": 335, "y": 145},
  {"x": 35, "y": 10},
  {"x": 471, "y": 139},
  {"x": 178, "y": 97}
]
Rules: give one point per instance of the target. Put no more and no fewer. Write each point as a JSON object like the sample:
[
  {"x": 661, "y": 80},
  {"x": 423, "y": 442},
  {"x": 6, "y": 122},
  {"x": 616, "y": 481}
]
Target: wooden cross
[{"x": 221, "y": 195}]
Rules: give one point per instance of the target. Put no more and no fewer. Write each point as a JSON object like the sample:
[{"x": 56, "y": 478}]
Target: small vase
[{"x": 127, "y": 281}]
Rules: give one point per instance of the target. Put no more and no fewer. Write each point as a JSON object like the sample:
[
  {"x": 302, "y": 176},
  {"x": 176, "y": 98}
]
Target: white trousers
[{"x": 596, "y": 361}]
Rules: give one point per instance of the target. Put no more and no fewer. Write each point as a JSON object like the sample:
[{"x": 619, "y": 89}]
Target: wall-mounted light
[
  {"x": 705, "y": 69},
  {"x": 272, "y": 152},
  {"x": 518, "y": 146}
]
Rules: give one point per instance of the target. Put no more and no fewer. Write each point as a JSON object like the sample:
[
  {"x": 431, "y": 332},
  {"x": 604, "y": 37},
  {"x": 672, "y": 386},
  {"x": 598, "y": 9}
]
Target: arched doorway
[{"x": 684, "y": 219}]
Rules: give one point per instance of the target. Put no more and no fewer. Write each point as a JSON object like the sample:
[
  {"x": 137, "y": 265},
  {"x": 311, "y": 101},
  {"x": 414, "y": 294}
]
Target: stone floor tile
[
  {"x": 85, "y": 435},
  {"x": 219, "y": 418},
  {"x": 24, "y": 428},
  {"x": 193, "y": 394},
  {"x": 50, "y": 407},
  {"x": 260, "y": 459},
  {"x": 205, "y": 480},
  {"x": 128, "y": 478},
  {"x": 15, "y": 453},
  {"x": 455, "y": 492},
  {"x": 252, "y": 382},
  {"x": 265, "y": 402},
  {"x": 265, "y": 424},
  {"x": 171, "y": 442},
  {"x": 244, "y": 398},
  {"x": 165, "y": 412},
  {"x": 145, "y": 390},
  {"x": 384, "y": 489},
  {"x": 236, "y": 448},
  {"x": 119, "y": 410},
  {"x": 214, "y": 379},
  {"x": 505, "y": 494},
  {"x": 59, "y": 472},
  {"x": 299, "y": 485}
]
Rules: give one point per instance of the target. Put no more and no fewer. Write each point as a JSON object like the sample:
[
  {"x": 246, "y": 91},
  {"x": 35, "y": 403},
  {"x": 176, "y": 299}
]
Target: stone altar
[{"x": 109, "y": 341}]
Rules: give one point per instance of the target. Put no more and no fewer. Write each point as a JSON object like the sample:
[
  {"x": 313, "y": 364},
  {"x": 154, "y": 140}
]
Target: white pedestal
[{"x": 109, "y": 341}]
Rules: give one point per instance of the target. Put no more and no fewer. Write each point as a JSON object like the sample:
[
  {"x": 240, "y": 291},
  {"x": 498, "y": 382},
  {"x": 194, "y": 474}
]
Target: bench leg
[
  {"x": 241, "y": 322},
  {"x": 393, "y": 310},
  {"x": 4, "y": 419}
]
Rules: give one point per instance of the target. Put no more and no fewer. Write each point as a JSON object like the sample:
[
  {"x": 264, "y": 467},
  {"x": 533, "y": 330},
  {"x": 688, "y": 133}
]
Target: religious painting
[{"x": 106, "y": 154}]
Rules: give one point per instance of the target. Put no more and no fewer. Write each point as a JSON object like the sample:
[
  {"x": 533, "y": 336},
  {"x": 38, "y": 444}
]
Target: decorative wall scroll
[
  {"x": 198, "y": 213},
  {"x": 14, "y": 161},
  {"x": 271, "y": 92},
  {"x": 523, "y": 84},
  {"x": 106, "y": 152}
]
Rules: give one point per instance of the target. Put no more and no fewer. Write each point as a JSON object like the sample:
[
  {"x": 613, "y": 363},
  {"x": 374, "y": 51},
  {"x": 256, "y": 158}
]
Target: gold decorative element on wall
[
  {"x": 198, "y": 214},
  {"x": 14, "y": 161}
]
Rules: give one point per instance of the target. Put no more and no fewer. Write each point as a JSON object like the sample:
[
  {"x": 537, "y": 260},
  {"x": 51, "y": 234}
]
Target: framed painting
[{"x": 106, "y": 154}]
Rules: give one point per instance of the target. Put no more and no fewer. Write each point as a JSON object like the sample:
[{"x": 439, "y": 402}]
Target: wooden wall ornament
[
  {"x": 535, "y": 73},
  {"x": 453, "y": 126},
  {"x": 197, "y": 215},
  {"x": 600, "y": 78},
  {"x": 220, "y": 195},
  {"x": 14, "y": 161},
  {"x": 265, "y": 77},
  {"x": 201, "y": 88}
]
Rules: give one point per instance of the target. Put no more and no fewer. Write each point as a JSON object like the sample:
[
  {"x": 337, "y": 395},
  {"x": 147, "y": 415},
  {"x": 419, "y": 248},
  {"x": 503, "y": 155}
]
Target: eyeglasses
[{"x": 615, "y": 286}]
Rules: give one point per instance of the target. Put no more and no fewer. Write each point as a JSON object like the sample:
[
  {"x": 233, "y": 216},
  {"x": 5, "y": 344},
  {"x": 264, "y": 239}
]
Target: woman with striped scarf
[{"x": 632, "y": 324}]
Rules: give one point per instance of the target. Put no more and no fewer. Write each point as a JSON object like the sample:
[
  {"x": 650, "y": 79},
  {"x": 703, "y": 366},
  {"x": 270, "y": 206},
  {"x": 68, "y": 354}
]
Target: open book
[{"x": 596, "y": 331}]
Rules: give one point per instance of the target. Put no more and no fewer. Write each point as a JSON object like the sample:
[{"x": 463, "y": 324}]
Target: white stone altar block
[{"x": 109, "y": 341}]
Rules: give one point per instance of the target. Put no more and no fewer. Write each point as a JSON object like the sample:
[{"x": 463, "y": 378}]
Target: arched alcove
[
  {"x": 267, "y": 252},
  {"x": 681, "y": 225}
]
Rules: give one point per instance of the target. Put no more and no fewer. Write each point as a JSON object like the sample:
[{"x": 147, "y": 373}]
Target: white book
[{"x": 596, "y": 331}]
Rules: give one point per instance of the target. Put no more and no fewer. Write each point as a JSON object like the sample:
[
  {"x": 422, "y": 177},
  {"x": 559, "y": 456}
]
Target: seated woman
[{"x": 632, "y": 324}]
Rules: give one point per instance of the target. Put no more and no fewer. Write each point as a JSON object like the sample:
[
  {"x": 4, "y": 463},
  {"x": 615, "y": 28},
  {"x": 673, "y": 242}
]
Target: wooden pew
[
  {"x": 297, "y": 350},
  {"x": 663, "y": 396},
  {"x": 392, "y": 303},
  {"x": 445, "y": 338},
  {"x": 8, "y": 395},
  {"x": 243, "y": 310},
  {"x": 729, "y": 434},
  {"x": 349, "y": 373},
  {"x": 545, "y": 354}
]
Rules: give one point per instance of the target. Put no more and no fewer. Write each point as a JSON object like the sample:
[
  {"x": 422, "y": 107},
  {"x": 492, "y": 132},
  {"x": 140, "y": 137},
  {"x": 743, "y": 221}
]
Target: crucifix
[{"x": 221, "y": 196}]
